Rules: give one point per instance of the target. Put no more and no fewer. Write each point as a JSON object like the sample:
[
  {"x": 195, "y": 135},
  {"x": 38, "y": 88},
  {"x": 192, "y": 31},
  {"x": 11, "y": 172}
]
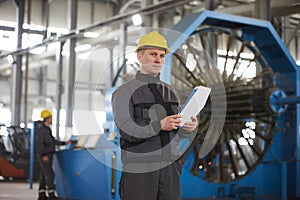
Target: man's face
[
  {"x": 152, "y": 60},
  {"x": 49, "y": 120}
]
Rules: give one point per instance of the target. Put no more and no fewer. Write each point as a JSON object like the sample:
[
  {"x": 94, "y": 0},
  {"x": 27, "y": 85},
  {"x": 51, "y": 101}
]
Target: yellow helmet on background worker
[
  {"x": 153, "y": 39},
  {"x": 45, "y": 114}
]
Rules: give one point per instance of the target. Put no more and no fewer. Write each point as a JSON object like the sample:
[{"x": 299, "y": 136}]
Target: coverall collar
[{"x": 147, "y": 77}]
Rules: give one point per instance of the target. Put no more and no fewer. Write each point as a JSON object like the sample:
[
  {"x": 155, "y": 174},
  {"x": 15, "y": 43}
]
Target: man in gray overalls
[
  {"x": 45, "y": 148},
  {"x": 145, "y": 110}
]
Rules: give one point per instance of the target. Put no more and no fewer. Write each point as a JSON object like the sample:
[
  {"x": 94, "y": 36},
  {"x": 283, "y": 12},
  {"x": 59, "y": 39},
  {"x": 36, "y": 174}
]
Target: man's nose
[{"x": 158, "y": 59}]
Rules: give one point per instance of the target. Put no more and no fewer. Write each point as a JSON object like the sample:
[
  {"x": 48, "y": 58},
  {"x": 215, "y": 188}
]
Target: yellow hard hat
[
  {"x": 45, "y": 114},
  {"x": 153, "y": 39}
]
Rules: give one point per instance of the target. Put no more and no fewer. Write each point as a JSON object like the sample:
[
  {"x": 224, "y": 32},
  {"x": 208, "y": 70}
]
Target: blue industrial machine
[{"x": 256, "y": 155}]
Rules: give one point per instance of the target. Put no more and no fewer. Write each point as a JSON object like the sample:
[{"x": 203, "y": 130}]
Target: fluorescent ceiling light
[
  {"x": 33, "y": 27},
  {"x": 10, "y": 59},
  {"x": 137, "y": 19},
  {"x": 84, "y": 56},
  {"x": 58, "y": 30},
  {"x": 53, "y": 46},
  {"x": 91, "y": 35},
  {"x": 83, "y": 47},
  {"x": 8, "y": 23},
  {"x": 38, "y": 50}
]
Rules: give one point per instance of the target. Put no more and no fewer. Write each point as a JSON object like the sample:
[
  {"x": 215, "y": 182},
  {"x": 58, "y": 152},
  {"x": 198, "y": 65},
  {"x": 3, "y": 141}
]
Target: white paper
[{"x": 194, "y": 104}]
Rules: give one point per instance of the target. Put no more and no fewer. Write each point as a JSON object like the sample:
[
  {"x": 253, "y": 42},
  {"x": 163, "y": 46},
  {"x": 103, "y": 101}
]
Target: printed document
[{"x": 194, "y": 103}]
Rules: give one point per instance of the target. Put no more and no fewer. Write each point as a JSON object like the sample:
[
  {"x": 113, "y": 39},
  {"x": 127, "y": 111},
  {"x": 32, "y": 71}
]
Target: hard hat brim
[{"x": 148, "y": 47}]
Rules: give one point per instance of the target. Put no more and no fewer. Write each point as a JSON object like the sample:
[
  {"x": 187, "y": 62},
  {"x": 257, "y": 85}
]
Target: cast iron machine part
[{"x": 214, "y": 55}]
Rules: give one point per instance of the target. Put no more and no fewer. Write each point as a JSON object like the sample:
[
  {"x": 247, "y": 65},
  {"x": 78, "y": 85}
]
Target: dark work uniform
[
  {"x": 45, "y": 145},
  {"x": 149, "y": 155}
]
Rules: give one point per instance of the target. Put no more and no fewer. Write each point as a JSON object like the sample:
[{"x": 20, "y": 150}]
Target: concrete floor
[{"x": 18, "y": 191}]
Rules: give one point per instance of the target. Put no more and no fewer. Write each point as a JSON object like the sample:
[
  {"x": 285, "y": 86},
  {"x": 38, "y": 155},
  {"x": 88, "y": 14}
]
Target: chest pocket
[
  {"x": 145, "y": 112},
  {"x": 149, "y": 104},
  {"x": 141, "y": 113}
]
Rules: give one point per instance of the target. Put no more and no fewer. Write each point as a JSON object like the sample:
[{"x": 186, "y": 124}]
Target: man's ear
[{"x": 139, "y": 56}]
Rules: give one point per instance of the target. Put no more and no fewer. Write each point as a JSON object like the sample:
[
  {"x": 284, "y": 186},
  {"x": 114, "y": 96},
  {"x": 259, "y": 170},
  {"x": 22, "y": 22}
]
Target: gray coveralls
[
  {"x": 45, "y": 145},
  {"x": 151, "y": 170}
]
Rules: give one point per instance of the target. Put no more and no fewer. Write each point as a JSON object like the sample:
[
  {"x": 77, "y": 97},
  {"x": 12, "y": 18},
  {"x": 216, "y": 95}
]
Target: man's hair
[
  {"x": 46, "y": 118},
  {"x": 142, "y": 50}
]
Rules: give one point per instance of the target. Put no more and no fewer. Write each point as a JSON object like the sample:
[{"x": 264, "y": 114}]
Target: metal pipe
[
  {"x": 43, "y": 81},
  {"x": 262, "y": 9},
  {"x": 45, "y": 17},
  {"x": 122, "y": 43},
  {"x": 17, "y": 69},
  {"x": 59, "y": 86},
  {"x": 91, "y": 63},
  {"x": 288, "y": 100},
  {"x": 73, "y": 4},
  {"x": 294, "y": 35},
  {"x": 209, "y": 4},
  {"x": 113, "y": 173},
  {"x": 147, "y": 19},
  {"x": 26, "y": 70},
  {"x": 112, "y": 71},
  {"x": 31, "y": 161}
]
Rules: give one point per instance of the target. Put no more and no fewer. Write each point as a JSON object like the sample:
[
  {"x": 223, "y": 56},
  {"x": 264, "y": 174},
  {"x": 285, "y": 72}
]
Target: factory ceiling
[{"x": 278, "y": 9}]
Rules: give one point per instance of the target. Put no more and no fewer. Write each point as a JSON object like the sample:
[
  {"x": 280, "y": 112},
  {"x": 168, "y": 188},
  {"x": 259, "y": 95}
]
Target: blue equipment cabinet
[{"x": 88, "y": 173}]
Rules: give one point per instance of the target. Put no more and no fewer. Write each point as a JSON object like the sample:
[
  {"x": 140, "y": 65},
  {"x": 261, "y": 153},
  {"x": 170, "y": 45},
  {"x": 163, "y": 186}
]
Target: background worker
[
  {"x": 145, "y": 110},
  {"x": 45, "y": 148}
]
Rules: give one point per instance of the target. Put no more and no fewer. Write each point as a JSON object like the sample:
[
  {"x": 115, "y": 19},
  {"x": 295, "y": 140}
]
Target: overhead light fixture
[
  {"x": 83, "y": 47},
  {"x": 91, "y": 34},
  {"x": 10, "y": 59},
  {"x": 38, "y": 50},
  {"x": 137, "y": 20},
  {"x": 84, "y": 56}
]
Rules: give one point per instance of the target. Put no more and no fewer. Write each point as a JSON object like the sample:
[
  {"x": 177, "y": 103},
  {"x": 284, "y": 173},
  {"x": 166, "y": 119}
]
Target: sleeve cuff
[
  {"x": 156, "y": 126},
  {"x": 184, "y": 134}
]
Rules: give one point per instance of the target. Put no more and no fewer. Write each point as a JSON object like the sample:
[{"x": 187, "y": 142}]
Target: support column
[
  {"x": 166, "y": 20},
  {"x": 147, "y": 19},
  {"x": 209, "y": 5},
  {"x": 59, "y": 86},
  {"x": 25, "y": 118},
  {"x": 17, "y": 68},
  {"x": 45, "y": 17},
  {"x": 262, "y": 9},
  {"x": 122, "y": 43},
  {"x": 72, "y": 15}
]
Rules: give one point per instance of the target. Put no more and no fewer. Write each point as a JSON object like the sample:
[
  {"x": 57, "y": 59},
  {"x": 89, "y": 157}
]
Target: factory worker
[
  {"x": 145, "y": 110},
  {"x": 45, "y": 148}
]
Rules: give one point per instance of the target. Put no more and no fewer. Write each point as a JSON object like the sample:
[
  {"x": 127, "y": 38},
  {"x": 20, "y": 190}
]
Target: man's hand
[
  {"x": 71, "y": 141},
  {"x": 170, "y": 122},
  {"x": 191, "y": 126},
  {"x": 45, "y": 159}
]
